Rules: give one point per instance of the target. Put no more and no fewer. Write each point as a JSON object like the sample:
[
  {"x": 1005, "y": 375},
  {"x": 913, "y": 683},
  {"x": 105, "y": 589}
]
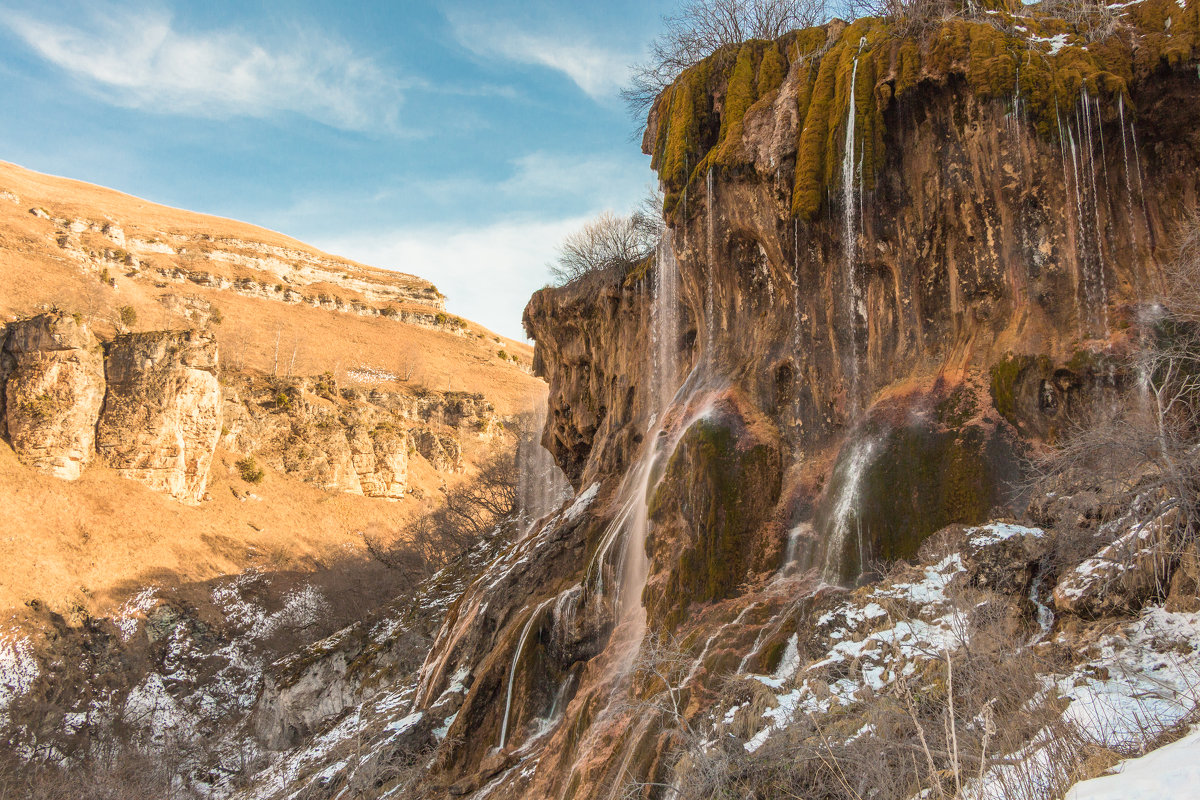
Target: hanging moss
[
  {"x": 771, "y": 70},
  {"x": 996, "y": 54},
  {"x": 810, "y": 152},
  {"x": 739, "y": 96}
]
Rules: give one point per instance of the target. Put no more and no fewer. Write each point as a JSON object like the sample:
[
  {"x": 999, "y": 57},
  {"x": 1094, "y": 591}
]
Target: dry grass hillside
[{"x": 278, "y": 308}]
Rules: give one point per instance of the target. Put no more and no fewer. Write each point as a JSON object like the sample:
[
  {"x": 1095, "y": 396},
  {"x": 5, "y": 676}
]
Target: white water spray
[
  {"x": 847, "y": 503},
  {"x": 666, "y": 321},
  {"x": 709, "y": 299}
]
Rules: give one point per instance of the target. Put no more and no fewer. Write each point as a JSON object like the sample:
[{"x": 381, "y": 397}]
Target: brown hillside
[{"x": 278, "y": 308}]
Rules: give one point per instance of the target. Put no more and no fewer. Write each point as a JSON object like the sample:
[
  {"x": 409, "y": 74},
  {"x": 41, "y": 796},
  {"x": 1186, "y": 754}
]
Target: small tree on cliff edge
[
  {"x": 607, "y": 243},
  {"x": 701, "y": 27}
]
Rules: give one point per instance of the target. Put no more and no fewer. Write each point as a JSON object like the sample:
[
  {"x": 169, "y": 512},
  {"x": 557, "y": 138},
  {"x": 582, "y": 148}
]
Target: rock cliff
[
  {"x": 52, "y": 373},
  {"x": 888, "y": 271},
  {"x": 162, "y": 411},
  {"x": 150, "y": 405}
]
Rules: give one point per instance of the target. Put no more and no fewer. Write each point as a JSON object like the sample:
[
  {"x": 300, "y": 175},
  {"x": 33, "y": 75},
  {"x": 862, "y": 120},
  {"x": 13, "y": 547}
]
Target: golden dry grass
[{"x": 90, "y": 543}]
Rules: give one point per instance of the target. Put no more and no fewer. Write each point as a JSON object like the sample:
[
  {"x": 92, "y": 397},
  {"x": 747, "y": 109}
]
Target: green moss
[
  {"x": 1004, "y": 375},
  {"x": 700, "y": 116},
  {"x": 810, "y": 153},
  {"x": 720, "y": 487},
  {"x": 920, "y": 479}
]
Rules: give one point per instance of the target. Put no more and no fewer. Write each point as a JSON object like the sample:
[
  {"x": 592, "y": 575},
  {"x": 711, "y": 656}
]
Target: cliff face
[
  {"x": 162, "y": 411},
  {"x": 150, "y": 406},
  {"x": 52, "y": 371},
  {"x": 809, "y": 384}
]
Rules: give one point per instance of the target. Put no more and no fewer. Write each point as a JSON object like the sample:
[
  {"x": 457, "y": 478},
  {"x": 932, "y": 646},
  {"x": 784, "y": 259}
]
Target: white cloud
[
  {"x": 488, "y": 272},
  {"x": 598, "y": 71},
  {"x": 142, "y": 60}
]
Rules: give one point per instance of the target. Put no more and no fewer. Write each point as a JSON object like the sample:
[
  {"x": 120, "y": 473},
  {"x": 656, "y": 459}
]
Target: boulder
[
  {"x": 162, "y": 412},
  {"x": 52, "y": 381},
  {"x": 1122, "y": 575}
]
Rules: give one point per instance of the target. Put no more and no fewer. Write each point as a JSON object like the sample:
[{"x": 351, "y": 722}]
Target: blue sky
[{"x": 455, "y": 140}]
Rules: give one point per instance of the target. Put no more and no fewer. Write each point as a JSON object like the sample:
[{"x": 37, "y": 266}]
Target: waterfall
[
  {"x": 1137, "y": 160},
  {"x": 512, "y": 670},
  {"x": 796, "y": 321},
  {"x": 849, "y": 227},
  {"x": 665, "y": 316},
  {"x": 855, "y": 466},
  {"x": 1045, "y": 616},
  {"x": 709, "y": 300},
  {"x": 1128, "y": 176},
  {"x": 542, "y": 487},
  {"x": 1097, "y": 292}
]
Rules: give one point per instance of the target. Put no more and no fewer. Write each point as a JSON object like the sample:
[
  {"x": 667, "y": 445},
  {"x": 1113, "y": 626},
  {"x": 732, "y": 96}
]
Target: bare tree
[
  {"x": 701, "y": 27},
  {"x": 606, "y": 244}
]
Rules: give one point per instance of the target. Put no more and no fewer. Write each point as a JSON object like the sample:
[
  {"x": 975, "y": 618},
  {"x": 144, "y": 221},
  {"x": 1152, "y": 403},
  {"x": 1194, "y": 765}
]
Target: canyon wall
[
  {"x": 812, "y": 377},
  {"x": 152, "y": 407}
]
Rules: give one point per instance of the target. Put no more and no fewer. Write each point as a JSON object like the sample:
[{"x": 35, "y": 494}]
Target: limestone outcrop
[
  {"x": 162, "y": 412},
  {"x": 846, "y": 341},
  {"x": 151, "y": 407},
  {"x": 52, "y": 379}
]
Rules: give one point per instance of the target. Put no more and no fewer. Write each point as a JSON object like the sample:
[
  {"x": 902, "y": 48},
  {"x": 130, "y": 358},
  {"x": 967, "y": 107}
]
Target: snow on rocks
[
  {"x": 1165, "y": 772},
  {"x": 18, "y": 669},
  {"x": 133, "y": 611},
  {"x": 869, "y": 647},
  {"x": 1140, "y": 680},
  {"x": 1121, "y": 574},
  {"x": 1000, "y": 555}
]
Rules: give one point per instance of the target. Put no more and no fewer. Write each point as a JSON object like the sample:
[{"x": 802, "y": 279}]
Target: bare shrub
[
  {"x": 975, "y": 721},
  {"x": 470, "y": 511},
  {"x": 1092, "y": 19},
  {"x": 909, "y": 17},
  {"x": 701, "y": 27},
  {"x": 609, "y": 244}
]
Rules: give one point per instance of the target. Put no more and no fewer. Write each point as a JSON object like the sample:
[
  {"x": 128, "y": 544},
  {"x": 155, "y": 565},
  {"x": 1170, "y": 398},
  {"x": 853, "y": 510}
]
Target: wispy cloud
[
  {"x": 143, "y": 60},
  {"x": 598, "y": 71},
  {"x": 489, "y": 272}
]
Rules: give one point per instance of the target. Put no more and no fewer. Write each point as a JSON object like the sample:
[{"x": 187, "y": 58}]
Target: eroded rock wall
[
  {"x": 52, "y": 371},
  {"x": 162, "y": 412}
]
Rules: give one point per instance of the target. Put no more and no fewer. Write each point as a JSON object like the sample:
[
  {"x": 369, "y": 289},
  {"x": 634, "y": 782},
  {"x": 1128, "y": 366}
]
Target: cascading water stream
[
  {"x": 796, "y": 316},
  {"x": 846, "y": 504},
  {"x": 709, "y": 298},
  {"x": 666, "y": 321},
  {"x": 1045, "y": 616},
  {"x": 850, "y": 228},
  {"x": 1137, "y": 160},
  {"x": 1097, "y": 294},
  {"x": 512, "y": 670},
  {"x": 541, "y": 487},
  {"x": 1128, "y": 176}
]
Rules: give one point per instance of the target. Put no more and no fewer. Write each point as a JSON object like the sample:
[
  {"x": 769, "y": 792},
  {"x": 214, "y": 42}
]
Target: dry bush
[
  {"x": 1092, "y": 19},
  {"x": 609, "y": 244},
  {"x": 978, "y": 713},
  {"x": 701, "y": 27},
  {"x": 470, "y": 511}
]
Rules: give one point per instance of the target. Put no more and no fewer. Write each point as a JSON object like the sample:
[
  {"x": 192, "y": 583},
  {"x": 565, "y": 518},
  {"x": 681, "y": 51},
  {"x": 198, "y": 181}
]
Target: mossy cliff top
[{"x": 1039, "y": 63}]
